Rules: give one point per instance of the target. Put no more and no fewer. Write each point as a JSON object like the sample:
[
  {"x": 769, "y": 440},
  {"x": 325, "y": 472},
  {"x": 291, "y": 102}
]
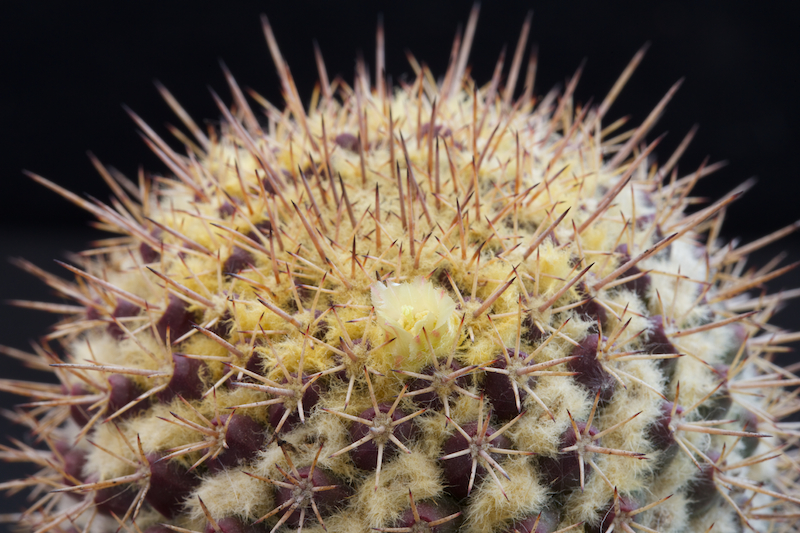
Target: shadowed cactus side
[{"x": 432, "y": 307}]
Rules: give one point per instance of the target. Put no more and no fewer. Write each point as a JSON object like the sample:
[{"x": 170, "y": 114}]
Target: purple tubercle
[
  {"x": 170, "y": 484},
  {"x": 185, "y": 380},
  {"x": 124, "y": 309},
  {"x": 238, "y": 260},
  {"x": 121, "y": 391},
  {"x": 659, "y": 344},
  {"x": 660, "y": 435},
  {"x": 267, "y": 183},
  {"x": 148, "y": 253},
  {"x": 431, "y": 511},
  {"x": 547, "y": 523},
  {"x": 431, "y": 399},
  {"x": 438, "y": 130},
  {"x": 322, "y": 327},
  {"x": 223, "y": 325},
  {"x": 499, "y": 391},
  {"x": 593, "y": 310},
  {"x": 530, "y": 332},
  {"x": 609, "y": 514},
  {"x": 226, "y": 210},
  {"x": 641, "y": 285},
  {"x": 457, "y": 470},
  {"x": 590, "y": 371},
  {"x": 348, "y": 141},
  {"x": 718, "y": 405},
  {"x": 93, "y": 312},
  {"x": 366, "y": 455},
  {"x": 232, "y": 524},
  {"x": 244, "y": 438},
  {"x": 310, "y": 399},
  {"x": 79, "y": 412},
  {"x": 264, "y": 227},
  {"x": 562, "y": 472},
  {"x": 702, "y": 492},
  {"x": 72, "y": 462},
  {"x": 115, "y": 499},
  {"x": 253, "y": 365},
  {"x": 326, "y": 500},
  {"x": 177, "y": 318}
]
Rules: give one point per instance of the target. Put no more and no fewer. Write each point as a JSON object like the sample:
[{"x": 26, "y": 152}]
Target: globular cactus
[{"x": 433, "y": 307}]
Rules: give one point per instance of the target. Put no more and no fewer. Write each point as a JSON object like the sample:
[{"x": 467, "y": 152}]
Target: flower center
[{"x": 409, "y": 319}]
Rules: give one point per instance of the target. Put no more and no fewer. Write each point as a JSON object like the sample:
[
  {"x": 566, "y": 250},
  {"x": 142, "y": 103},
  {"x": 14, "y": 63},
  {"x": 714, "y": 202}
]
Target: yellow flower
[{"x": 406, "y": 309}]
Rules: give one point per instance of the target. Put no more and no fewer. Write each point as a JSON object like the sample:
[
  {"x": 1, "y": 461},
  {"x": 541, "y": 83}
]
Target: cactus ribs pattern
[{"x": 437, "y": 306}]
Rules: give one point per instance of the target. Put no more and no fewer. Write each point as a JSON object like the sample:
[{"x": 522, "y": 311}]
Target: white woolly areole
[{"x": 406, "y": 309}]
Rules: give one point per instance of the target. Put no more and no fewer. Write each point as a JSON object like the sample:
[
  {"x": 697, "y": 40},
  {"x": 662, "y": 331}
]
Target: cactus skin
[{"x": 587, "y": 360}]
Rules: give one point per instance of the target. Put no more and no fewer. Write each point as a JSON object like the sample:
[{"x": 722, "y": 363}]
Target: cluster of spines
[{"x": 345, "y": 259}]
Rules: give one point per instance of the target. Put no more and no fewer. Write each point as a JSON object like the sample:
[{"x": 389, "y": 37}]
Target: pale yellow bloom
[{"x": 404, "y": 310}]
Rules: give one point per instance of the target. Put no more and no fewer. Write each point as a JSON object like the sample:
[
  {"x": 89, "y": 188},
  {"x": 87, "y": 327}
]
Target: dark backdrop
[{"x": 66, "y": 69}]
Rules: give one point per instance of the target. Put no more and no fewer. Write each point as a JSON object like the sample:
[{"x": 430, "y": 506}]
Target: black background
[{"x": 66, "y": 68}]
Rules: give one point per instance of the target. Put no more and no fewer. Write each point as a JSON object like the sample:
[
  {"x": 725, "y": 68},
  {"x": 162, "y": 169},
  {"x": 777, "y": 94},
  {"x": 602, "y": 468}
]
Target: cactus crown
[{"x": 433, "y": 307}]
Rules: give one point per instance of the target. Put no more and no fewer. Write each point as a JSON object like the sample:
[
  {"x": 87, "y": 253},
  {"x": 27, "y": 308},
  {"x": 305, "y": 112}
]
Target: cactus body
[{"x": 432, "y": 307}]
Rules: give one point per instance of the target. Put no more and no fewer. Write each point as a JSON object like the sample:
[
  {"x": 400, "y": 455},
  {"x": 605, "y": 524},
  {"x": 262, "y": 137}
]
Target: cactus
[{"x": 431, "y": 307}]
